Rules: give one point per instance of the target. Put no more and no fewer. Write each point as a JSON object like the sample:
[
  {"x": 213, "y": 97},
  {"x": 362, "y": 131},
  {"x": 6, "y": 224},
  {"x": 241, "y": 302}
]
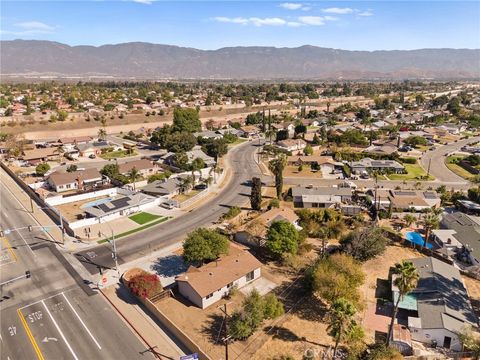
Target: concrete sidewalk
[{"x": 145, "y": 326}]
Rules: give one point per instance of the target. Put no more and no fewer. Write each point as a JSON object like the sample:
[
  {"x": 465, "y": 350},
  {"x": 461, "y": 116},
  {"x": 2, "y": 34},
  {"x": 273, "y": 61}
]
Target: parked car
[{"x": 92, "y": 156}]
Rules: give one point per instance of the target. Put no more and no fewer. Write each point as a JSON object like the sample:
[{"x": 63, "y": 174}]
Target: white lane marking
[
  {"x": 36, "y": 302},
  {"x": 81, "y": 321},
  {"x": 60, "y": 331}
]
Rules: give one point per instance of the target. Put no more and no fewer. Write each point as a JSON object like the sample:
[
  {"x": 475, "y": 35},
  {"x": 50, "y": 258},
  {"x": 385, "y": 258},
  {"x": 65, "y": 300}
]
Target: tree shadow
[
  {"x": 169, "y": 266},
  {"x": 213, "y": 328},
  {"x": 311, "y": 309},
  {"x": 281, "y": 333},
  {"x": 125, "y": 295}
]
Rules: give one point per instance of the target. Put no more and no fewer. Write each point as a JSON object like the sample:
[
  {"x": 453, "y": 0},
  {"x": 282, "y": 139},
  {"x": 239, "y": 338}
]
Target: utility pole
[{"x": 226, "y": 338}]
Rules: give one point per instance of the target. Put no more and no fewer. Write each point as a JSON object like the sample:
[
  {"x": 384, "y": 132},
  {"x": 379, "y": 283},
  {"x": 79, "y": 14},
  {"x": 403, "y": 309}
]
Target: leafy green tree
[
  {"x": 471, "y": 341},
  {"x": 300, "y": 129},
  {"x": 186, "y": 183},
  {"x": 215, "y": 148},
  {"x": 340, "y": 321},
  {"x": 336, "y": 276},
  {"x": 204, "y": 245},
  {"x": 364, "y": 243},
  {"x": 110, "y": 170},
  {"x": 181, "y": 160},
  {"x": 256, "y": 194},
  {"x": 179, "y": 141},
  {"x": 282, "y": 238},
  {"x": 308, "y": 150},
  {"x": 281, "y": 135},
  {"x": 187, "y": 120},
  {"x": 42, "y": 169},
  {"x": 415, "y": 141},
  {"x": 276, "y": 166},
  {"x": 159, "y": 176},
  {"x": 406, "y": 278},
  {"x": 72, "y": 168},
  {"x": 254, "y": 311}
]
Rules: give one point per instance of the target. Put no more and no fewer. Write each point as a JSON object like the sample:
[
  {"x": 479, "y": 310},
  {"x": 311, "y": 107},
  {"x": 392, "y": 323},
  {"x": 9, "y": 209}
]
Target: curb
[{"x": 130, "y": 324}]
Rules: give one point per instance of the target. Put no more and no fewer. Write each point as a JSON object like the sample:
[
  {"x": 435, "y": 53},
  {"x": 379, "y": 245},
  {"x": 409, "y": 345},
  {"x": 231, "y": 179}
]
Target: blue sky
[{"x": 353, "y": 25}]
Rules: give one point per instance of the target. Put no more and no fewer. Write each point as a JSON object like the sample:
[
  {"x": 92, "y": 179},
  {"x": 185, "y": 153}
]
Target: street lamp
[{"x": 114, "y": 253}]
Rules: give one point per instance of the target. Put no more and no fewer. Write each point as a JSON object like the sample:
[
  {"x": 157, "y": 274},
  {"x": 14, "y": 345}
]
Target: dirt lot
[
  {"x": 70, "y": 211},
  {"x": 376, "y": 271},
  {"x": 292, "y": 171}
]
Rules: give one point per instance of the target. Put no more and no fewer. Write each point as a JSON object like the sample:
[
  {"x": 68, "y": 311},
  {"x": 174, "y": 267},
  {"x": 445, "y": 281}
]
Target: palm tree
[
  {"x": 328, "y": 106},
  {"x": 185, "y": 183},
  {"x": 340, "y": 320},
  {"x": 276, "y": 166},
  {"x": 431, "y": 221},
  {"x": 406, "y": 278},
  {"x": 133, "y": 176},
  {"x": 208, "y": 181},
  {"x": 270, "y": 133},
  {"x": 102, "y": 134},
  {"x": 409, "y": 219}
]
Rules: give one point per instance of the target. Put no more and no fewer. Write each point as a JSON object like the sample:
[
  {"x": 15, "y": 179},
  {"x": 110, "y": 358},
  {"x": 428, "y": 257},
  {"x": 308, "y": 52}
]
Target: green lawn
[
  {"x": 117, "y": 154},
  {"x": 457, "y": 169},
  {"x": 129, "y": 232},
  {"x": 238, "y": 142},
  {"x": 143, "y": 218},
  {"x": 414, "y": 172}
]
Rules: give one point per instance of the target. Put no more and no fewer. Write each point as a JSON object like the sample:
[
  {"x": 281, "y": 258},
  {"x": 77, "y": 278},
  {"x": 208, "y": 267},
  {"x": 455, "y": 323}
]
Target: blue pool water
[{"x": 416, "y": 238}]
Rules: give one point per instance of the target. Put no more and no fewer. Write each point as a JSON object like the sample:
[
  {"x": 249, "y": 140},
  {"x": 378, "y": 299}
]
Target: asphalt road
[
  {"x": 436, "y": 160},
  {"x": 49, "y": 316},
  {"x": 243, "y": 167}
]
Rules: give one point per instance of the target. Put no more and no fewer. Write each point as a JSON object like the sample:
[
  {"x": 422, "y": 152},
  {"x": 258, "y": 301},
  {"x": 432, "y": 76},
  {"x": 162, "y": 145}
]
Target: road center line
[
  {"x": 30, "y": 336},
  {"x": 81, "y": 321},
  {"x": 59, "y": 330}
]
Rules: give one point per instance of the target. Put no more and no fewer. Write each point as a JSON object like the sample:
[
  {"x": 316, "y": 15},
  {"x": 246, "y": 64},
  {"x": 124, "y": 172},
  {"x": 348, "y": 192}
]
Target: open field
[
  {"x": 457, "y": 169},
  {"x": 414, "y": 172},
  {"x": 143, "y": 218},
  {"x": 292, "y": 171},
  {"x": 184, "y": 197},
  {"x": 117, "y": 154}
]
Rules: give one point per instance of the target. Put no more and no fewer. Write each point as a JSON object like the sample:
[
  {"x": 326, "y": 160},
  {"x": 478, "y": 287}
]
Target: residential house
[
  {"x": 89, "y": 149},
  {"x": 75, "y": 180},
  {"x": 254, "y": 232},
  {"x": 37, "y": 156},
  {"x": 461, "y": 233},
  {"x": 250, "y": 131},
  {"x": 367, "y": 165},
  {"x": 400, "y": 200},
  {"x": 166, "y": 187},
  {"x": 323, "y": 197},
  {"x": 123, "y": 206},
  {"x": 208, "y": 134},
  {"x": 291, "y": 145},
  {"x": 69, "y": 143},
  {"x": 207, "y": 284},
  {"x": 144, "y": 167},
  {"x": 193, "y": 154},
  {"x": 326, "y": 163},
  {"x": 439, "y": 308}
]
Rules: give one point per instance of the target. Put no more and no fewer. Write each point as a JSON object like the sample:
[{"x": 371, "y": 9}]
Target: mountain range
[{"x": 138, "y": 60}]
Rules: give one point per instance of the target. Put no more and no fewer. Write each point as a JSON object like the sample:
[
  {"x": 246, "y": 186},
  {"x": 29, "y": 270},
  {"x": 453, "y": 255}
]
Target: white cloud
[
  {"x": 336, "y": 10},
  {"x": 316, "y": 20},
  {"x": 237, "y": 20},
  {"x": 276, "y": 21},
  {"x": 267, "y": 21},
  {"x": 34, "y": 26},
  {"x": 291, "y": 6},
  {"x": 365, "y": 13},
  {"x": 146, "y": 2}
]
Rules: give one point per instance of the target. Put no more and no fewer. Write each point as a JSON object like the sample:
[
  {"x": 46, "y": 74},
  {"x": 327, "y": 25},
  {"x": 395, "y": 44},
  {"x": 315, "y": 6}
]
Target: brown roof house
[
  {"x": 145, "y": 167},
  {"x": 75, "y": 180},
  {"x": 253, "y": 233},
  {"x": 37, "y": 156},
  {"x": 209, "y": 283}
]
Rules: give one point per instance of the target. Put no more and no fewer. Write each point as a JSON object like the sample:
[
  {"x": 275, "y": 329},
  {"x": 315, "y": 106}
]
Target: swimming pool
[{"x": 416, "y": 238}]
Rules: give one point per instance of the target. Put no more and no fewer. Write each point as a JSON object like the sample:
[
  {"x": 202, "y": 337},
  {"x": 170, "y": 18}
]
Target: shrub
[
  {"x": 144, "y": 285},
  {"x": 231, "y": 213},
  {"x": 274, "y": 203},
  {"x": 42, "y": 169}
]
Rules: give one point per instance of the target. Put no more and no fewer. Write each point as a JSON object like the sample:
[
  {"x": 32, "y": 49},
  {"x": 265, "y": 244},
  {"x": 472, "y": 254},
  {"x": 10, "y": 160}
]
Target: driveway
[{"x": 436, "y": 161}]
